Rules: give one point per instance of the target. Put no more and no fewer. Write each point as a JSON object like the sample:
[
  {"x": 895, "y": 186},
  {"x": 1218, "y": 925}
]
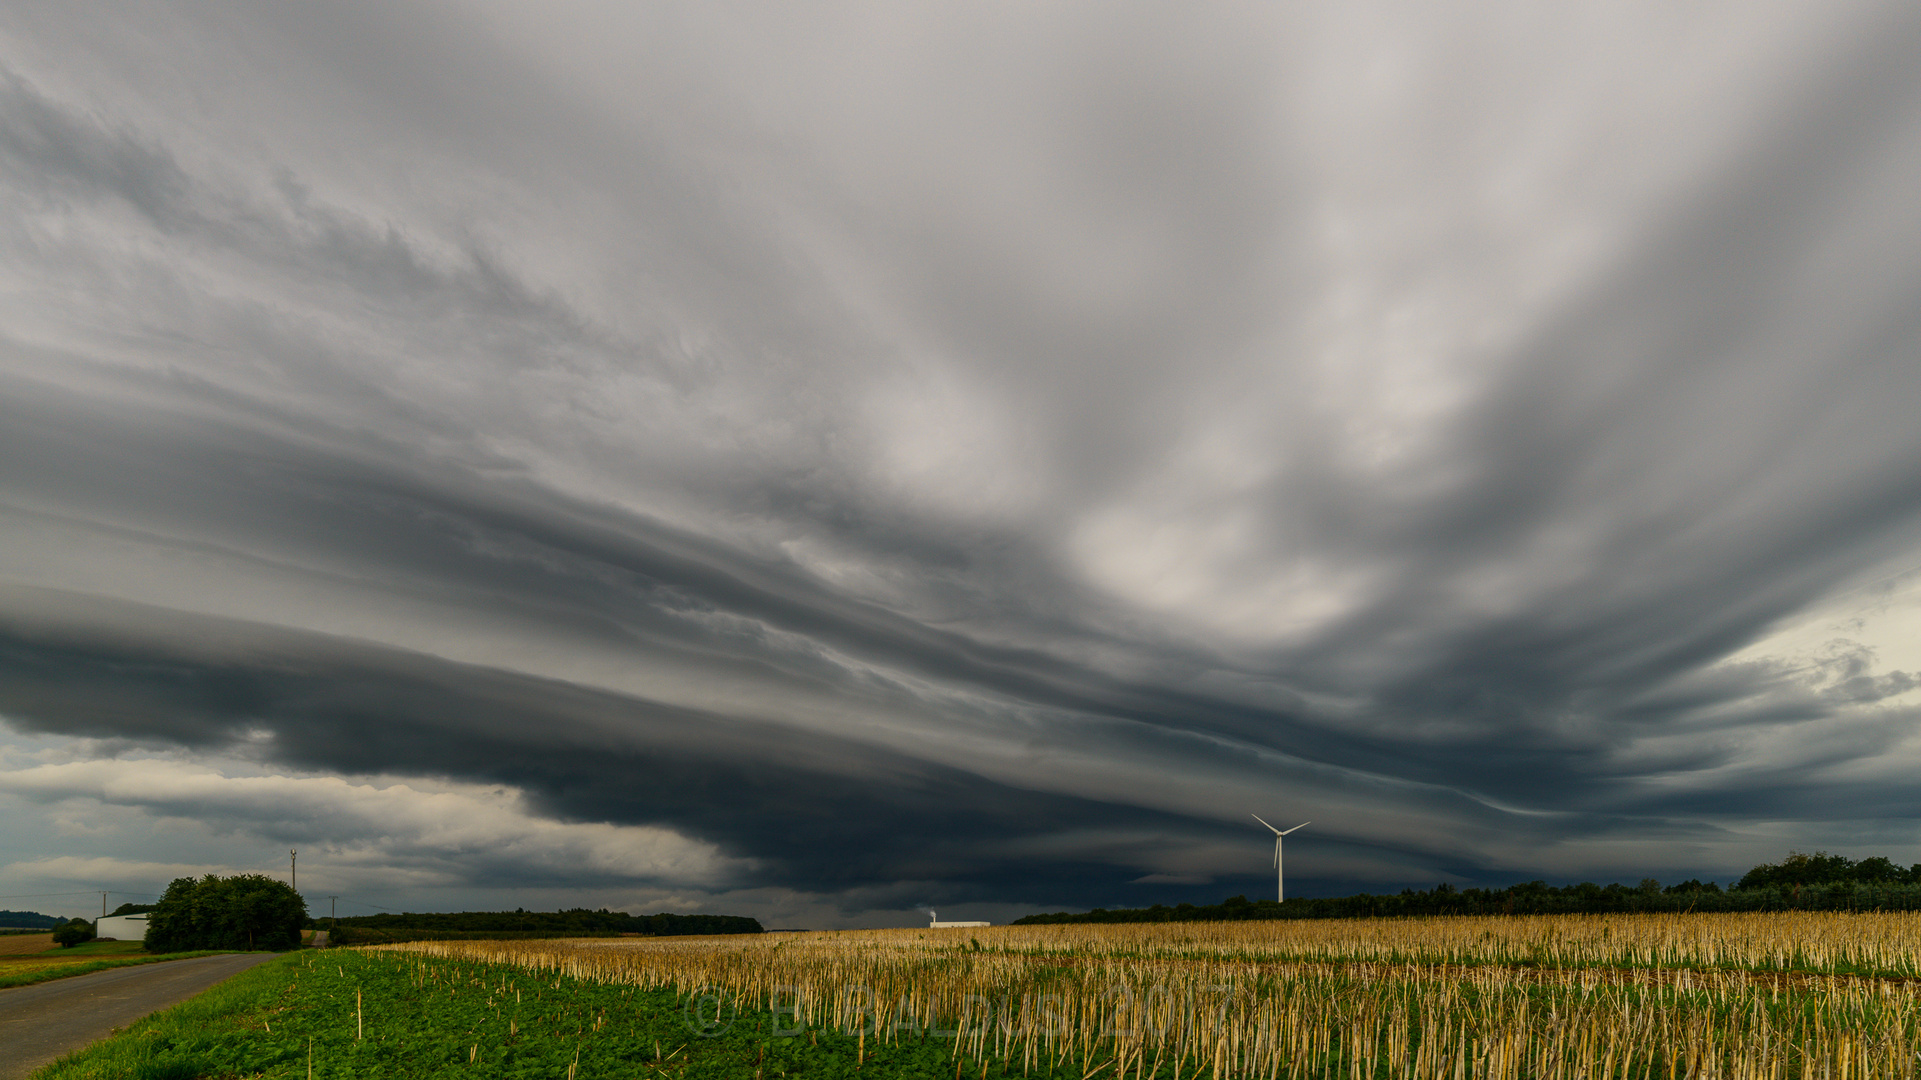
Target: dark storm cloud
[
  {"x": 849, "y": 813},
  {"x": 1747, "y": 474},
  {"x": 841, "y": 814},
  {"x": 993, "y": 495}
]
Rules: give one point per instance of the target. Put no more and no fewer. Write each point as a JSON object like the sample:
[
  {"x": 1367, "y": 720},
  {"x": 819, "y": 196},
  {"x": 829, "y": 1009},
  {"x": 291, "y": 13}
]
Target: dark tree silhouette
[{"x": 247, "y": 911}]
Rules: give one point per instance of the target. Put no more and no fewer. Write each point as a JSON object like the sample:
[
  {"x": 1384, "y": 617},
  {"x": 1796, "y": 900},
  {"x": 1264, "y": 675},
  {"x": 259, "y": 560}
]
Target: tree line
[
  {"x": 1818, "y": 882},
  {"x": 252, "y": 911},
  {"x": 574, "y": 922}
]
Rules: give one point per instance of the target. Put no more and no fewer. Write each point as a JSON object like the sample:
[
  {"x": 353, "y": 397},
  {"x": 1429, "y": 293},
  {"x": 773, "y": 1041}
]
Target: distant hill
[
  {"x": 578, "y": 922},
  {"x": 28, "y": 920}
]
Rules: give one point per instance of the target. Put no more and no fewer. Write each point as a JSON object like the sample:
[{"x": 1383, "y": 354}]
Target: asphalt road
[{"x": 42, "y": 1022}]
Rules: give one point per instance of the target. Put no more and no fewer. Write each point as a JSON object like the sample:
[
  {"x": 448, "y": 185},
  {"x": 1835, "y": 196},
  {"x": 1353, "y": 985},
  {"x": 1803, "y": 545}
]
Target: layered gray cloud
[{"x": 865, "y": 459}]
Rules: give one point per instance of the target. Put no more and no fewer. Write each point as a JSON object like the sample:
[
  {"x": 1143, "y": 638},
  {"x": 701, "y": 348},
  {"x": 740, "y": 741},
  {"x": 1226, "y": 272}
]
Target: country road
[{"x": 42, "y": 1022}]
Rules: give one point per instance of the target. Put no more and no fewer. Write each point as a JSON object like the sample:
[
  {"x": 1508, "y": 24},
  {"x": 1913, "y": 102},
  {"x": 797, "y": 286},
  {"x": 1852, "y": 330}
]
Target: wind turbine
[{"x": 1278, "y": 834}]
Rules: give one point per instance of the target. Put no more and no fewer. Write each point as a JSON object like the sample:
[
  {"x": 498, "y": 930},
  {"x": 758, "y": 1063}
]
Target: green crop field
[
  {"x": 352, "y": 1013},
  {"x": 1784, "y": 996}
]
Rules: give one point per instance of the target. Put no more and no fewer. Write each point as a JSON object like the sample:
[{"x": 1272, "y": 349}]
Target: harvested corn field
[{"x": 1777, "y": 995}]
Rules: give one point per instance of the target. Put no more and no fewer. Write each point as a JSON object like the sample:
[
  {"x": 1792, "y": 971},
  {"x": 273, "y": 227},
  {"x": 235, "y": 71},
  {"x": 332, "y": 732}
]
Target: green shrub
[{"x": 73, "y": 932}]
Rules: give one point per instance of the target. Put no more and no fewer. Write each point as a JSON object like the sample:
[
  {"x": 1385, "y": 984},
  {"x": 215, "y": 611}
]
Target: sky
[{"x": 825, "y": 462}]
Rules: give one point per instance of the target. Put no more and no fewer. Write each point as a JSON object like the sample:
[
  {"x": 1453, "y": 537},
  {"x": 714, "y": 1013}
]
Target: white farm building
[
  {"x": 121, "y": 928},
  {"x": 936, "y": 924}
]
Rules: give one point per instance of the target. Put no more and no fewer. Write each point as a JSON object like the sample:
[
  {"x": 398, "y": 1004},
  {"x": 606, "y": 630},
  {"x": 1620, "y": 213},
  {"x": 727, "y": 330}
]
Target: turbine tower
[{"x": 1279, "y": 895}]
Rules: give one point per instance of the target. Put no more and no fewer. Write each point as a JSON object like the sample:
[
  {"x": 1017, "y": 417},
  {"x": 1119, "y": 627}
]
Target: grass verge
[{"x": 23, "y": 974}]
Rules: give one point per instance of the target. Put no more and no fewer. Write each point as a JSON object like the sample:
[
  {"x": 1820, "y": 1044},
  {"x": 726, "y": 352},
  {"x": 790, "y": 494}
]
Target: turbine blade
[
  {"x": 1271, "y": 828},
  {"x": 1302, "y": 825}
]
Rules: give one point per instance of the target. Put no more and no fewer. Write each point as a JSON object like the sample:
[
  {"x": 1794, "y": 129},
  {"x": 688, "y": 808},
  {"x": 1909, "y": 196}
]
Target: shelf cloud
[{"x": 822, "y": 464}]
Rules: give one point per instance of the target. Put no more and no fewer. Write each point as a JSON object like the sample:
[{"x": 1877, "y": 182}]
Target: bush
[
  {"x": 247, "y": 911},
  {"x": 73, "y": 932}
]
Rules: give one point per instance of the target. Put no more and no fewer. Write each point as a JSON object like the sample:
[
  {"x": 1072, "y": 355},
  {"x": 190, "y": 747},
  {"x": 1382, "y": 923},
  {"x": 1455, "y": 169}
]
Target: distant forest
[
  {"x": 28, "y": 920},
  {"x": 576, "y": 922},
  {"x": 1818, "y": 882}
]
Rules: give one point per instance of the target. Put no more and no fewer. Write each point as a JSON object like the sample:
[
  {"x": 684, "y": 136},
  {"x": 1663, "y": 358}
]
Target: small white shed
[
  {"x": 121, "y": 928},
  {"x": 936, "y": 924}
]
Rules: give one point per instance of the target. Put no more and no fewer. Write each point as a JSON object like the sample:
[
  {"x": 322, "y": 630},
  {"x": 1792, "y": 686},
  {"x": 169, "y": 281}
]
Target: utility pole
[
  {"x": 330, "y": 911},
  {"x": 293, "y": 868},
  {"x": 103, "y": 903}
]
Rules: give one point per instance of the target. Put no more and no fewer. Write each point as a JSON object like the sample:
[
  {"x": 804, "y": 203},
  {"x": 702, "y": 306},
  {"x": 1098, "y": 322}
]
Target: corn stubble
[{"x": 1777, "y": 995}]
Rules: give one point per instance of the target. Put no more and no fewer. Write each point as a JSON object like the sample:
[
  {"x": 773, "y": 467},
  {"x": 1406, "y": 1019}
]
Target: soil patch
[{"x": 25, "y": 944}]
